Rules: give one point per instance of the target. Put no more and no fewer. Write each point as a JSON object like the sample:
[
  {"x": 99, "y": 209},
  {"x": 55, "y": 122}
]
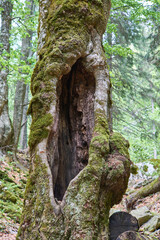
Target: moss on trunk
[{"x": 78, "y": 168}]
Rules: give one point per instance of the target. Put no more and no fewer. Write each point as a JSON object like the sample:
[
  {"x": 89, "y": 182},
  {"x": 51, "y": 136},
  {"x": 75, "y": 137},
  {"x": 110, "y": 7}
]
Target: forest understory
[{"x": 13, "y": 177}]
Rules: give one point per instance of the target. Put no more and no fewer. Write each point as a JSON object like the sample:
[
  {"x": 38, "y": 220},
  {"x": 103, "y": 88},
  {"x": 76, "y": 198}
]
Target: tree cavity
[{"x": 68, "y": 145}]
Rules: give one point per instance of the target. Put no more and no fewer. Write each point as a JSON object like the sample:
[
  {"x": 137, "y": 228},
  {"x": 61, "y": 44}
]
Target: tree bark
[
  {"x": 21, "y": 85},
  {"x": 23, "y": 136},
  {"x": 154, "y": 130},
  {"x": 150, "y": 188},
  {"x": 131, "y": 235},
  {"x": 6, "y": 130},
  {"x": 79, "y": 169}
]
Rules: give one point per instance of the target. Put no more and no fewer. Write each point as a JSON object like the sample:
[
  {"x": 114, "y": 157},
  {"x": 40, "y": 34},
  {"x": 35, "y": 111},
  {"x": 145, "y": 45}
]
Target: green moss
[
  {"x": 69, "y": 25},
  {"x": 35, "y": 100},
  {"x": 39, "y": 129},
  {"x": 134, "y": 169},
  {"x": 13, "y": 211},
  {"x": 155, "y": 163},
  {"x": 8, "y": 196},
  {"x": 38, "y": 210},
  {"x": 119, "y": 144},
  {"x": 73, "y": 20},
  {"x": 99, "y": 146},
  {"x": 89, "y": 195},
  {"x": 10, "y": 200},
  {"x": 4, "y": 176}
]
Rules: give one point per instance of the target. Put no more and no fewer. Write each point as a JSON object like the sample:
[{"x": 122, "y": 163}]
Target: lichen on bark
[
  {"x": 77, "y": 169},
  {"x": 6, "y": 128}
]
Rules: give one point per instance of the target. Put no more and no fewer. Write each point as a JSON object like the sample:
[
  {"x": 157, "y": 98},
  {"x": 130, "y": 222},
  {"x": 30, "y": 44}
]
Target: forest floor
[
  {"x": 152, "y": 202},
  {"x": 13, "y": 177}
]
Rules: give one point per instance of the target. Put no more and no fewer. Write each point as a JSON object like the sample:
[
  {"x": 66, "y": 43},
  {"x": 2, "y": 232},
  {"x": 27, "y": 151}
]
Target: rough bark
[
  {"x": 6, "y": 130},
  {"x": 21, "y": 85},
  {"x": 150, "y": 188},
  {"x": 23, "y": 136},
  {"x": 79, "y": 169},
  {"x": 131, "y": 235}
]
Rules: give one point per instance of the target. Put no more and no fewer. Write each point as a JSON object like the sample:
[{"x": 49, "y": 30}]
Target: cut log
[
  {"x": 120, "y": 222},
  {"x": 150, "y": 188},
  {"x": 131, "y": 235}
]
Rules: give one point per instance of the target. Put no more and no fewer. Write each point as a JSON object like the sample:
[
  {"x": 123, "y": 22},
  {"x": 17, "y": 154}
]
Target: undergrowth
[{"x": 12, "y": 186}]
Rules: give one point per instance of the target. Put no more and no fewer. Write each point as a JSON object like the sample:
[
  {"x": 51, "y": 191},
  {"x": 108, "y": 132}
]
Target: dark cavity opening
[{"x": 68, "y": 146}]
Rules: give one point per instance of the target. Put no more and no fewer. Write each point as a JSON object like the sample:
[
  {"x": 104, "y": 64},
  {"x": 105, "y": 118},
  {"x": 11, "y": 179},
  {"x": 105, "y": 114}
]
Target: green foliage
[
  {"x": 131, "y": 43},
  {"x": 156, "y": 164},
  {"x": 22, "y": 26},
  {"x": 11, "y": 195},
  {"x": 117, "y": 50}
]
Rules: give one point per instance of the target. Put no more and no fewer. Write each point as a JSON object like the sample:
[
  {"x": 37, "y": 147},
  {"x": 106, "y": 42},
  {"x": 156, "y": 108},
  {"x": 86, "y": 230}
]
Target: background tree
[
  {"x": 79, "y": 168},
  {"x": 20, "y": 103},
  {"x": 134, "y": 57},
  {"x": 20, "y": 63},
  {"x": 134, "y": 77},
  {"x": 6, "y": 131},
  {"x": 24, "y": 126}
]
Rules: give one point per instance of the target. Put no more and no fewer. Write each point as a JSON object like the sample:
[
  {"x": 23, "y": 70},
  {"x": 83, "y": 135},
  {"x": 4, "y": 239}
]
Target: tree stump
[
  {"x": 131, "y": 235},
  {"x": 120, "y": 222}
]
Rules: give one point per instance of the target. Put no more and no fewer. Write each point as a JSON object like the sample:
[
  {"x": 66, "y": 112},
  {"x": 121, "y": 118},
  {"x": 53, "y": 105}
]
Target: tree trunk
[
  {"x": 6, "y": 130},
  {"x": 150, "y": 188},
  {"x": 21, "y": 85},
  {"x": 154, "y": 130},
  {"x": 110, "y": 63},
  {"x": 120, "y": 222},
  {"x": 23, "y": 137},
  {"x": 131, "y": 235},
  {"x": 78, "y": 168}
]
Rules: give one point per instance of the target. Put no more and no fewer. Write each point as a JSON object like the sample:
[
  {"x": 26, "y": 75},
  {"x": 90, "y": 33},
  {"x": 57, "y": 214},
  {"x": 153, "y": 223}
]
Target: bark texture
[
  {"x": 6, "y": 130},
  {"x": 79, "y": 169},
  {"x": 150, "y": 188},
  {"x": 131, "y": 235},
  {"x": 23, "y": 136},
  {"x": 21, "y": 87}
]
